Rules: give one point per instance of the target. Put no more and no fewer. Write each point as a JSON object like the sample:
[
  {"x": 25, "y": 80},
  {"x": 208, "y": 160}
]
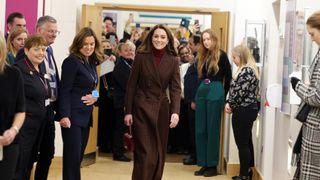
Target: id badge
[
  {"x": 95, "y": 93},
  {"x": 1, "y": 153}
]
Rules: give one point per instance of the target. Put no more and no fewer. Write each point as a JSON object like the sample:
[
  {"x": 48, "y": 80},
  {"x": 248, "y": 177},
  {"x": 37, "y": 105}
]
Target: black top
[
  {"x": 36, "y": 90},
  {"x": 224, "y": 73},
  {"x": 121, "y": 74},
  {"x": 11, "y": 96},
  {"x": 244, "y": 90}
]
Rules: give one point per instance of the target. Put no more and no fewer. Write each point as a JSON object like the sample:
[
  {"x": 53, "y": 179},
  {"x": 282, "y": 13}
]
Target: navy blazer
[
  {"x": 78, "y": 79},
  {"x": 121, "y": 74}
]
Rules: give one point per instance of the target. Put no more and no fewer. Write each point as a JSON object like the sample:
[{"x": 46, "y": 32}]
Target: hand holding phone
[{"x": 112, "y": 39}]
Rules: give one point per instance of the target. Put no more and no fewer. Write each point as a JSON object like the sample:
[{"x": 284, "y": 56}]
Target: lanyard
[
  {"x": 127, "y": 64},
  {"x": 93, "y": 75},
  {"x": 32, "y": 69}
]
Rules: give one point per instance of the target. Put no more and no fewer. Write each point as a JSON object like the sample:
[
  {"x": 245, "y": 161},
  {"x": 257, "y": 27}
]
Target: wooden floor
[{"x": 105, "y": 168}]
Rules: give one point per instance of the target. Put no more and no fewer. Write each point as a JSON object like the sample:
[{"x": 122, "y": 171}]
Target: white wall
[{"x": 66, "y": 14}]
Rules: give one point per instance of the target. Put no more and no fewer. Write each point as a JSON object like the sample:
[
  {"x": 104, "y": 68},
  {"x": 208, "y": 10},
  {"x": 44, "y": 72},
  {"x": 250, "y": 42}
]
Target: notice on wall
[{"x": 293, "y": 52}]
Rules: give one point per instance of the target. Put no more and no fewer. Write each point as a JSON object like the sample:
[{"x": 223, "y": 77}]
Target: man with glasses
[
  {"x": 47, "y": 27},
  {"x": 15, "y": 19}
]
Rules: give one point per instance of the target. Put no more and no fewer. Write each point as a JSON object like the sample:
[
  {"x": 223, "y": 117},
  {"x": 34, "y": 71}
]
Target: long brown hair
[
  {"x": 12, "y": 35},
  {"x": 212, "y": 55},
  {"x": 3, "y": 53},
  {"x": 314, "y": 20},
  {"x": 146, "y": 46},
  {"x": 77, "y": 44}
]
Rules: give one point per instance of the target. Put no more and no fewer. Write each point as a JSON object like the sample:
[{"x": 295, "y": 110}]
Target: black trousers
[
  {"x": 119, "y": 129},
  {"x": 179, "y": 136},
  {"x": 242, "y": 122},
  {"x": 75, "y": 141},
  {"x": 192, "y": 130},
  {"x": 28, "y": 141},
  {"x": 46, "y": 146},
  {"x": 9, "y": 162},
  {"x": 106, "y": 120}
]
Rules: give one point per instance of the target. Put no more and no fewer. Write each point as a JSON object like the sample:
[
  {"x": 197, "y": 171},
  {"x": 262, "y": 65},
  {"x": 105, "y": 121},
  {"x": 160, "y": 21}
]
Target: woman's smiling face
[{"x": 159, "y": 39}]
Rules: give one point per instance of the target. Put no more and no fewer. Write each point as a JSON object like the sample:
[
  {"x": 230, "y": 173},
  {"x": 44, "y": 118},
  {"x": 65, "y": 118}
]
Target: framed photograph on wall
[{"x": 255, "y": 34}]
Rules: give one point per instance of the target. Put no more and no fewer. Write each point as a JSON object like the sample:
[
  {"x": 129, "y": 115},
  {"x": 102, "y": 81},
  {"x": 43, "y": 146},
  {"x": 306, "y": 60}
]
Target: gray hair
[{"x": 45, "y": 19}]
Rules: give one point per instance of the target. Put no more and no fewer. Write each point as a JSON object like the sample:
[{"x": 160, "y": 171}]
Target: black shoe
[
  {"x": 249, "y": 176},
  {"x": 200, "y": 172},
  {"x": 189, "y": 161},
  {"x": 121, "y": 158},
  {"x": 210, "y": 171},
  {"x": 241, "y": 177}
]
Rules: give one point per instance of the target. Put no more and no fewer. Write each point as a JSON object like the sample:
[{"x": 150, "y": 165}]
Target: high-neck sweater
[{"x": 158, "y": 55}]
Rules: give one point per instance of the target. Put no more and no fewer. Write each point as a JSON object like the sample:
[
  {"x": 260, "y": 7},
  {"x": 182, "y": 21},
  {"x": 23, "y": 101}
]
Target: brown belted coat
[{"x": 147, "y": 101}]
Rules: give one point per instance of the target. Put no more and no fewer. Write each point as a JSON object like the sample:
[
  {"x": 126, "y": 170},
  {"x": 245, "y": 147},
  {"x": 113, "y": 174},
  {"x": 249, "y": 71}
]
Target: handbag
[
  {"x": 302, "y": 112},
  {"x": 128, "y": 140}
]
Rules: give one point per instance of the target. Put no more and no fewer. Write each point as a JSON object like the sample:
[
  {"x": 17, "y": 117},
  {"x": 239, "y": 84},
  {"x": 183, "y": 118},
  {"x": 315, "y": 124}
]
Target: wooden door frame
[{"x": 219, "y": 23}]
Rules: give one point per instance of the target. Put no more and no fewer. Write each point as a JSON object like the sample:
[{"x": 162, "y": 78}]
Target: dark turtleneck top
[{"x": 158, "y": 55}]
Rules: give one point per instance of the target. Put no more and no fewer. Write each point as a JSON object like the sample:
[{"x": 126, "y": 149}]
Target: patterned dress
[{"x": 309, "y": 162}]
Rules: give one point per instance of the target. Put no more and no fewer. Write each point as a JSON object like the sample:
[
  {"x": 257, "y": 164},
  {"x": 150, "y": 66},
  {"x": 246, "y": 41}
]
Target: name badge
[
  {"x": 95, "y": 93},
  {"x": 47, "y": 102},
  {"x": 1, "y": 152},
  {"x": 53, "y": 84}
]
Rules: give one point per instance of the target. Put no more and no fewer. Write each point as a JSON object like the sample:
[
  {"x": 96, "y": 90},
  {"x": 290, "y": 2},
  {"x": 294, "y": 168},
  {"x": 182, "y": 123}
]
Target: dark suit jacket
[
  {"x": 21, "y": 55},
  {"x": 121, "y": 74},
  {"x": 78, "y": 79},
  {"x": 191, "y": 83},
  {"x": 35, "y": 92}
]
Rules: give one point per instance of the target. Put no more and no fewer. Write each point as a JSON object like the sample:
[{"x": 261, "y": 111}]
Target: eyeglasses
[
  {"x": 53, "y": 32},
  {"x": 184, "y": 53}
]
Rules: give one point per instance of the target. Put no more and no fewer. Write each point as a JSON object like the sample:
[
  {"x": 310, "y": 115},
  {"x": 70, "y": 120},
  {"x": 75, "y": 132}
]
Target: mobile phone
[
  {"x": 138, "y": 25},
  {"x": 196, "y": 21},
  {"x": 112, "y": 39},
  {"x": 107, "y": 52}
]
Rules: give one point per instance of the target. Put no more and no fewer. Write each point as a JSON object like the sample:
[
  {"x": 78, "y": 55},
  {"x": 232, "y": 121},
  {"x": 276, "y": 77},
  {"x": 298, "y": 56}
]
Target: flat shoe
[{"x": 200, "y": 172}]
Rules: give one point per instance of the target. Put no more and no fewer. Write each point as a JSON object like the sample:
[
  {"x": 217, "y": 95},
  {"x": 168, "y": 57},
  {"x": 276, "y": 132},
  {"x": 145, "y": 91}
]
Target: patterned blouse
[{"x": 244, "y": 89}]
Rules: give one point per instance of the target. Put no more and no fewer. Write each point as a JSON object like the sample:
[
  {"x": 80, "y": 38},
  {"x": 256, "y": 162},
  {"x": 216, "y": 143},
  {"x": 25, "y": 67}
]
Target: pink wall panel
[{"x": 29, "y": 8}]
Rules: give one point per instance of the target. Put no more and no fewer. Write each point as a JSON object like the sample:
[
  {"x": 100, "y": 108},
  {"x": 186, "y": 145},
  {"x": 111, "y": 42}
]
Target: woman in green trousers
[{"x": 214, "y": 71}]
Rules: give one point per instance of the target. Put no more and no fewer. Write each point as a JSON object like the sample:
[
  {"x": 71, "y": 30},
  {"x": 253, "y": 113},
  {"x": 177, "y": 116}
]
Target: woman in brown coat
[{"x": 148, "y": 109}]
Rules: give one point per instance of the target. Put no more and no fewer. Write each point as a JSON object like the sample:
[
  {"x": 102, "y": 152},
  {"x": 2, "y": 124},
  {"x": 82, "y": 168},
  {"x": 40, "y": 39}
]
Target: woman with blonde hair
[
  {"x": 15, "y": 41},
  {"x": 243, "y": 103},
  {"x": 214, "y": 72},
  {"x": 12, "y": 113}
]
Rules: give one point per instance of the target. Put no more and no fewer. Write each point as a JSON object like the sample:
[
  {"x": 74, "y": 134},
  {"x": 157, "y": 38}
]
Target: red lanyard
[{"x": 33, "y": 70}]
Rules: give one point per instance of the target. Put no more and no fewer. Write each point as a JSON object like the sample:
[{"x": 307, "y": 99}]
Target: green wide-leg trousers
[{"x": 209, "y": 104}]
